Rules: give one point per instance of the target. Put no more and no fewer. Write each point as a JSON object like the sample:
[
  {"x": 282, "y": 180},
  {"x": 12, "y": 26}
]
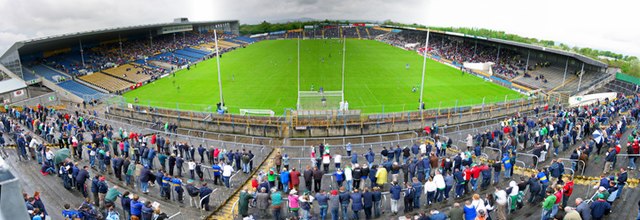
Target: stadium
[{"x": 314, "y": 96}]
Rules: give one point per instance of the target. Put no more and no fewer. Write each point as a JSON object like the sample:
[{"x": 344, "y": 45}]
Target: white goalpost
[{"x": 323, "y": 99}]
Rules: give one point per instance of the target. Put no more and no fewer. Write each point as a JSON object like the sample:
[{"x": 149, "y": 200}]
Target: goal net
[{"x": 315, "y": 100}]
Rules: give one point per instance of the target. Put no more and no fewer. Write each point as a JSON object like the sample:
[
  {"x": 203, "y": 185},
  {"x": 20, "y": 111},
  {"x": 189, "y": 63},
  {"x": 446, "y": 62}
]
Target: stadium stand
[
  {"x": 48, "y": 73},
  {"x": 331, "y": 32},
  {"x": 106, "y": 82},
  {"x": 82, "y": 91},
  {"x": 129, "y": 73}
]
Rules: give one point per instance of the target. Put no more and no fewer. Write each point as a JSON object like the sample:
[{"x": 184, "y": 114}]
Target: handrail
[
  {"x": 535, "y": 166},
  {"x": 584, "y": 165},
  {"x": 344, "y": 138},
  {"x": 174, "y": 215}
]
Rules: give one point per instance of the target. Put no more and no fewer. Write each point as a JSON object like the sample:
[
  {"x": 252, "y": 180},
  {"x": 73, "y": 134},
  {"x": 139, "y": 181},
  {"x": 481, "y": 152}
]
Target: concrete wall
[{"x": 282, "y": 129}]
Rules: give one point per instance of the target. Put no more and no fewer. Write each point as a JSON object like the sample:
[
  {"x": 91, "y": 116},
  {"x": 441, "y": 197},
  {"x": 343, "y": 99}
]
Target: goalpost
[{"x": 323, "y": 99}]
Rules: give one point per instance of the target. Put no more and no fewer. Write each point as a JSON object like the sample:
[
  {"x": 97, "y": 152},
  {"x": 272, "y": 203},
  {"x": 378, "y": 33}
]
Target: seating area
[
  {"x": 45, "y": 72},
  {"x": 546, "y": 78},
  {"x": 107, "y": 82},
  {"x": 129, "y": 73},
  {"x": 246, "y": 39},
  {"x": 84, "y": 92},
  {"x": 190, "y": 53}
]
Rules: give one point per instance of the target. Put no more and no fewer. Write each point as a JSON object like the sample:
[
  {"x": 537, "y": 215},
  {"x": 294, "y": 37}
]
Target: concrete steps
[{"x": 229, "y": 209}]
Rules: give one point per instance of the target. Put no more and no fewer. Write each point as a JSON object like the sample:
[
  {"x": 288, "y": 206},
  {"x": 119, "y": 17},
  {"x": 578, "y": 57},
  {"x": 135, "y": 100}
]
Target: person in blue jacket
[
  {"x": 284, "y": 180},
  {"x": 136, "y": 207},
  {"x": 370, "y": 156},
  {"x": 356, "y": 203},
  {"x": 506, "y": 161},
  {"x": 395, "y": 197},
  {"x": 367, "y": 198}
]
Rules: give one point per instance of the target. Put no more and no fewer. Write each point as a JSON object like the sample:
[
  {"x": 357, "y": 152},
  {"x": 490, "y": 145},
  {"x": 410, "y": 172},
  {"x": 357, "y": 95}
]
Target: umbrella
[
  {"x": 597, "y": 136},
  {"x": 61, "y": 155}
]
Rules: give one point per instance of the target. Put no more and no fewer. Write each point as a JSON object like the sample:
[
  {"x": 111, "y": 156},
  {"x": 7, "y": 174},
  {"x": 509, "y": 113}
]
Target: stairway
[
  {"x": 229, "y": 209},
  {"x": 340, "y": 29},
  {"x": 358, "y": 32},
  {"x": 368, "y": 34},
  {"x": 322, "y": 33}
]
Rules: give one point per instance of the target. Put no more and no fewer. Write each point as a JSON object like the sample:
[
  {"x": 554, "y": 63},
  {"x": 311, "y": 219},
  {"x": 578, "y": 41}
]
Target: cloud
[{"x": 588, "y": 23}]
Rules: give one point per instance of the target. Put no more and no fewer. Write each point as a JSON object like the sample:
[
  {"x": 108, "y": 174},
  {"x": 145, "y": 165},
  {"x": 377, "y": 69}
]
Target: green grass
[{"x": 264, "y": 76}]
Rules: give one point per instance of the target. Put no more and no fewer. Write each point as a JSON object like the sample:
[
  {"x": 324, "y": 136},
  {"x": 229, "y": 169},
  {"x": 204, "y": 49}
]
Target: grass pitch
[{"x": 264, "y": 76}]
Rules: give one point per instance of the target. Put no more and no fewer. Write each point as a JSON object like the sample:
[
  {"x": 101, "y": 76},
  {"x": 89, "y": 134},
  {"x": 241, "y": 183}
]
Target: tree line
[{"x": 628, "y": 64}]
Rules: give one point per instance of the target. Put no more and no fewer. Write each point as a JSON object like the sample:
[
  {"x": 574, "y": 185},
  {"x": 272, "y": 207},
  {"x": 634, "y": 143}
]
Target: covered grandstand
[{"x": 90, "y": 64}]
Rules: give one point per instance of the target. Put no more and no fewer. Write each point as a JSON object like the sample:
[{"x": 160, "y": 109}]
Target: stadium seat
[{"x": 106, "y": 82}]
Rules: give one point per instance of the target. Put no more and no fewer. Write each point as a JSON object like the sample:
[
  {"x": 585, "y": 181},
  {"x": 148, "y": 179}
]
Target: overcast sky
[{"x": 606, "y": 25}]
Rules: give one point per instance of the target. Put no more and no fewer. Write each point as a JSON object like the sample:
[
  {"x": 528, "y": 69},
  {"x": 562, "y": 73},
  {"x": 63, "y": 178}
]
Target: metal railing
[
  {"x": 345, "y": 139},
  {"x": 584, "y": 167}
]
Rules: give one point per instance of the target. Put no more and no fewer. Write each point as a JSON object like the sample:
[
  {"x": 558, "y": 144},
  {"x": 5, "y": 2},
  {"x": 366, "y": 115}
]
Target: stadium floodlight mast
[
  {"x": 424, "y": 67},
  {"x": 215, "y": 36},
  {"x": 344, "y": 52},
  {"x": 298, "y": 104}
]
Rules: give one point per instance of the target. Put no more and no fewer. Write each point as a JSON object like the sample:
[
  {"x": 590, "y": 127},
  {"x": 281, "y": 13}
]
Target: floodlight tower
[
  {"x": 215, "y": 36},
  {"x": 424, "y": 67}
]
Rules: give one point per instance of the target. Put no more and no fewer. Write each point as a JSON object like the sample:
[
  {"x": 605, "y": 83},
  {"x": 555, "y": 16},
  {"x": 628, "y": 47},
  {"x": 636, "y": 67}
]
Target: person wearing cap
[
  {"x": 205, "y": 191},
  {"x": 334, "y": 204},
  {"x": 193, "y": 194},
  {"x": 243, "y": 203},
  {"x": 102, "y": 189},
  {"x": 294, "y": 202},
  {"x": 599, "y": 208}
]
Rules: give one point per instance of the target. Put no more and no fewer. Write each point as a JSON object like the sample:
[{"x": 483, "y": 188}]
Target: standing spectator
[
  {"x": 567, "y": 190},
  {"x": 294, "y": 176},
  {"x": 205, "y": 193},
  {"x": 356, "y": 203},
  {"x": 278, "y": 160},
  {"x": 284, "y": 180},
  {"x": 409, "y": 194},
  {"x": 456, "y": 212},
  {"x": 262, "y": 202},
  {"x": 470, "y": 212},
  {"x": 609, "y": 160},
  {"x": 345, "y": 198},
  {"x": 334, "y": 204},
  {"x": 599, "y": 208},
  {"x": 276, "y": 203},
  {"x": 547, "y": 205},
  {"x": 227, "y": 171},
  {"x": 217, "y": 172},
  {"x": 323, "y": 202},
  {"x": 308, "y": 177},
  {"x": 243, "y": 203},
  {"x": 317, "y": 179},
  {"x": 192, "y": 168},
  {"x": 294, "y": 205},
  {"x": 584, "y": 209}
]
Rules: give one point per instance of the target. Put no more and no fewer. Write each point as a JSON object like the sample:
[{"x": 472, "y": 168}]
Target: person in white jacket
[
  {"x": 348, "y": 176},
  {"x": 477, "y": 202},
  {"x": 469, "y": 140},
  {"x": 430, "y": 190},
  {"x": 337, "y": 159},
  {"x": 501, "y": 204},
  {"x": 438, "y": 179}
]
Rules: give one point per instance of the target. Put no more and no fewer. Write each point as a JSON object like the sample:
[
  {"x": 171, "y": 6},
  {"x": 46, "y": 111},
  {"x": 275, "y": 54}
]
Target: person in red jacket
[
  {"x": 475, "y": 174},
  {"x": 467, "y": 178},
  {"x": 567, "y": 191},
  {"x": 294, "y": 176}
]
